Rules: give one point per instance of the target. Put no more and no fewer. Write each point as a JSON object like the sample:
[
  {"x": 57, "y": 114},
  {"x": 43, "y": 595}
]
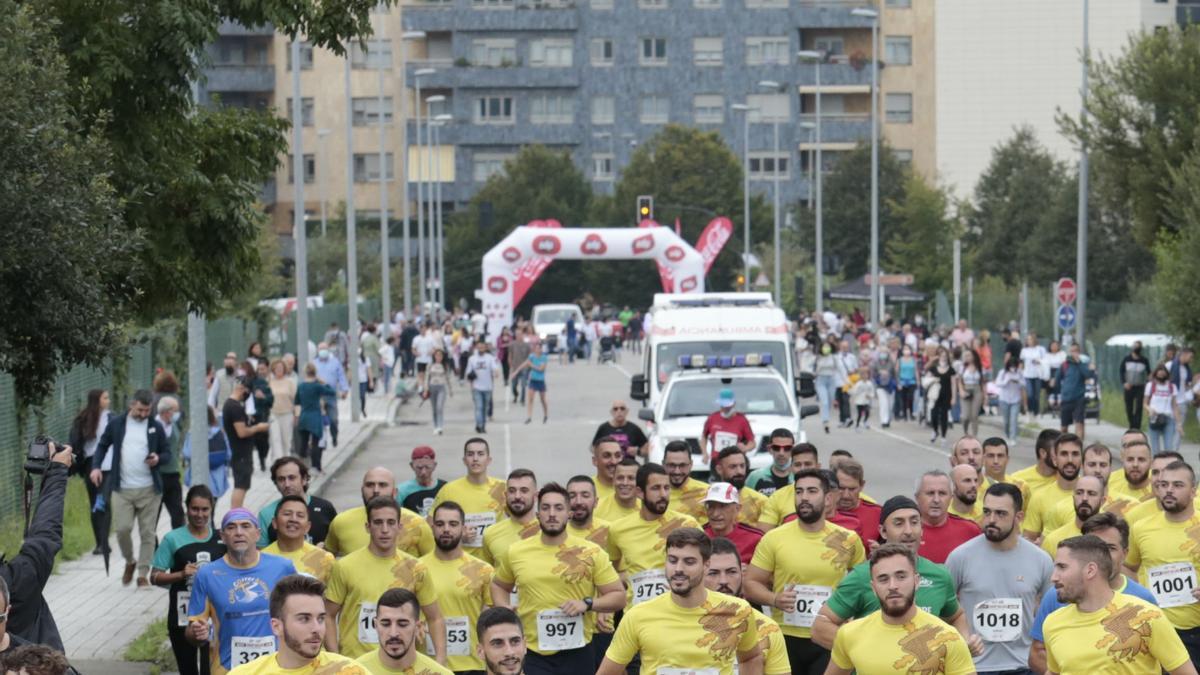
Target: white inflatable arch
[{"x": 511, "y": 267}]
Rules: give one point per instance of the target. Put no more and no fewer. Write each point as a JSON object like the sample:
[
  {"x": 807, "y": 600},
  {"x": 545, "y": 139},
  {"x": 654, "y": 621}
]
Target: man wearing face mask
[
  {"x": 1135, "y": 369},
  {"x": 172, "y": 495},
  {"x": 223, "y": 381},
  {"x": 331, "y": 372},
  {"x": 726, "y": 427}
]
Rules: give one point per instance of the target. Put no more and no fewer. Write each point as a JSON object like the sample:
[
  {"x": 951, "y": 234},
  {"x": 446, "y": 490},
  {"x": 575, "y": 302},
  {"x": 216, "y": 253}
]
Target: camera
[{"x": 37, "y": 458}]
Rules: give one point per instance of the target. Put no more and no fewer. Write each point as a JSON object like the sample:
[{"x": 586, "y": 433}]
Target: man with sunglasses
[
  {"x": 768, "y": 479},
  {"x": 630, "y": 436}
]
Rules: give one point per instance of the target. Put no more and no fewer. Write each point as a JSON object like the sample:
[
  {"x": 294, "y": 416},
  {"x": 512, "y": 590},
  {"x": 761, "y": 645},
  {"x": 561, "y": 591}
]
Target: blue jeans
[
  {"x": 521, "y": 381},
  {"x": 331, "y": 411},
  {"x": 1163, "y": 440},
  {"x": 1033, "y": 388},
  {"x": 826, "y": 394},
  {"x": 482, "y": 400},
  {"x": 572, "y": 345},
  {"x": 1009, "y": 413}
]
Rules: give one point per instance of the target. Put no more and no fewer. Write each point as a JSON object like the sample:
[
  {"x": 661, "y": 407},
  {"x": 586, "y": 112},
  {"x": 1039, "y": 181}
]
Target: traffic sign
[
  {"x": 1066, "y": 317},
  {"x": 1065, "y": 290}
]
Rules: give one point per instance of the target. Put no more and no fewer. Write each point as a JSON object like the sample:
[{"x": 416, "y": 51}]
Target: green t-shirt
[{"x": 854, "y": 598}]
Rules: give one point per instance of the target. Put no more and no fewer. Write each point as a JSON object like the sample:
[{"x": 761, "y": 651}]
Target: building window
[
  {"x": 551, "y": 53},
  {"x": 762, "y": 166},
  {"x": 494, "y": 110},
  {"x": 306, "y": 56},
  {"x": 652, "y": 4},
  {"x": 366, "y": 167},
  {"x": 602, "y": 52},
  {"x": 494, "y": 53},
  {"x": 233, "y": 51},
  {"x": 654, "y": 52},
  {"x": 708, "y": 51},
  {"x": 306, "y": 111},
  {"x": 365, "y": 111},
  {"x": 899, "y": 3},
  {"x": 903, "y": 156},
  {"x": 770, "y": 107},
  {"x": 897, "y": 50},
  {"x": 377, "y": 55},
  {"x": 310, "y": 168},
  {"x": 602, "y": 167},
  {"x": 708, "y": 109},
  {"x": 603, "y": 110},
  {"x": 832, "y": 45},
  {"x": 654, "y": 110},
  {"x": 552, "y": 109},
  {"x": 764, "y": 4},
  {"x": 766, "y": 51},
  {"x": 492, "y": 4},
  {"x": 898, "y": 108},
  {"x": 602, "y": 4},
  {"x": 484, "y": 166}
]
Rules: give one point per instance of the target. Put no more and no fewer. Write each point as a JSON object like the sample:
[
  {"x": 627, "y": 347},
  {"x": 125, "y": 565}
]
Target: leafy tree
[
  {"x": 1178, "y": 249},
  {"x": 923, "y": 243}
]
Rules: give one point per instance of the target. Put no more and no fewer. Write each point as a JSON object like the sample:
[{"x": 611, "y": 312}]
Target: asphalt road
[{"x": 580, "y": 396}]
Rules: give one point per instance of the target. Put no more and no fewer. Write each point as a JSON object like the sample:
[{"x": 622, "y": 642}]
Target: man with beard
[
  {"x": 731, "y": 467},
  {"x": 687, "y": 493},
  {"x": 1114, "y": 532},
  {"x": 561, "y": 579},
  {"x": 690, "y": 629},
  {"x": 724, "y": 575},
  {"x": 298, "y": 623},
  {"x": 1097, "y": 462},
  {"x": 398, "y": 622},
  {"x": 290, "y": 476},
  {"x": 501, "y": 641},
  {"x": 967, "y": 450},
  {"x": 1163, "y": 553},
  {"x": 636, "y": 542},
  {"x": 1152, "y": 506},
  {"x": 723, "y": 507},
  {"x": 358, "y": 580},
  {"x": 233, "y": 594},
  {"x": 624, "y": 499},
  {"x": 1088, "y": 499},
  {"x": 581, "y": 498},
  {"x": 1068, "y": 459},
  {"x": 606, "y": 455},
  {"x": 1133, "y": 478},
  {"x": 480, "y": 495},
  {"x": 348, "y": 531},
  {"x": 942, "y": 531},
  {"x": 1076, "y": 634},
  {"x": 964, "y": 480},
  {"x": 292, "y": 525},
  {"x": 521, "y": 523},
  {"x": 796, "y": 566},
  {"x": 854, "y": 598},
  {"x": 782, "y": 502},
  {"x": 1042, "y": 472},
  {"x": 880, "y": 643},
  {"x": 843, "y": 518},
  {"x": 1001, "y": 576},
  {"x": 463, "y": 584},
  {"x": 779, "y": 474}
]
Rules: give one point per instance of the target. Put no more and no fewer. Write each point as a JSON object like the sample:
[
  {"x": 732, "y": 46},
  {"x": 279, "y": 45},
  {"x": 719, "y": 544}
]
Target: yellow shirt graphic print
[
  {"x": 924, "y": 645},
  {"x": 1126, "y": 637}
]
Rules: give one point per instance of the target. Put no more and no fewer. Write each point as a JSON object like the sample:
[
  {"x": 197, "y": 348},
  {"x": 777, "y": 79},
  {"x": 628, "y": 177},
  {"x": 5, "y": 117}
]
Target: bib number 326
[
  {"x": 557, "y": 631},
  {"x": 1172, "y": 584}
]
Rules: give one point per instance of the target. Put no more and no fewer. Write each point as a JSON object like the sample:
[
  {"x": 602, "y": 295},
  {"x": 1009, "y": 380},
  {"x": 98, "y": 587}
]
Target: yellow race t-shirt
[
  {"x": 483, "y": 504},
  {"x": 348, "y": 533},
  {"x": 463, "y": 589},
  {"x": 813, "y": 562},
  {"x": 1118, "y": 484},
  {"x": 308, "y": 559},
  {"x": 689, "y": 499},
  {"x": 549, "y": 575},
  {"x": 753, "y": 504},
  {"x": 1052, "y": 539},
  {"x": 1127, "y": 637},
  {"x": 1041, "y": 515},
  {"x": 780, "y": 504},
  {"x": 422, "y": 666},
  {"x": 774, "y": 649},
  {"x": 638, "y": 547},
  {"x": 326, "y": 663},
  {"x": 611, "y": 510},
  {"x": 497, "y": 538},
  {"x": 602, "y": 490},
  {"x": 597, "y": 532},
  {"x": 926, "y": 644},
  {"x": 974, "y": 514},
  {"x": 1166, "y": 555},
  {"x": 1032, "y": 479},
  {"x": 672, "y": 637},
  {"x": 356, "y": 583},
  {"x": 1011, "y": 479}
]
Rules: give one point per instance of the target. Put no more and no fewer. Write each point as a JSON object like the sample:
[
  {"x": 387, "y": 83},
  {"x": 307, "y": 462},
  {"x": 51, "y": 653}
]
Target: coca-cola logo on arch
[
  {"x": 546, "y": 244},
  {"x": 511, "y": 254},
  {"x": 593, "y": 245},
  {"x": 688, "y": 284},
  {"x": 674, "y": 253},
  {"x": 643, "y": 244},
  {"x": 497, "y": 284}
]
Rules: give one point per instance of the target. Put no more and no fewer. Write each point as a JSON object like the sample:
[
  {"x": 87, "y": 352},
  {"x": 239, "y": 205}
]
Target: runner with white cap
[{"x": 723, "y": 504}]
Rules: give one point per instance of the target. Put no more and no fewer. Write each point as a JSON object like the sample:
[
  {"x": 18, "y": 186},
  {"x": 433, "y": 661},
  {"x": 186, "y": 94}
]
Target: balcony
[
  {"x": 838, "y": 128},
  {"x": 259, "y": 78},
  {"x": 830, "y": 13},
  {"x": 484, "y": 77},
  {"x": 525, "y": 16},
  {"x": 522, "y": 133},
  {"x": 842, "y": 78},
  {"x": 235, "y": 29}
]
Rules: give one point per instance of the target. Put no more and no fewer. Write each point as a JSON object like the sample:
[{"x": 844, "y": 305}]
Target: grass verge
[
  {"x": 1113, "y": 411},
  {"x": 77, "y": 526},
  {"x": 153, "y": 647}
]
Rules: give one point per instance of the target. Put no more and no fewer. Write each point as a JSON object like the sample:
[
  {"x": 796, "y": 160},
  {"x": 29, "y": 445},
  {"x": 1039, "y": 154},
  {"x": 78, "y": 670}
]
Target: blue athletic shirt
[
  {"x": 538, "y": 375},
  {"x": 1050, "y": 603}
]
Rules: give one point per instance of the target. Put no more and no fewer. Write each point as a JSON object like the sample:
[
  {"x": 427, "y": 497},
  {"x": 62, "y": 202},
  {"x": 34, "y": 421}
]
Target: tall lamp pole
[
  {"x": 439, "y": 245},
  {"x": 876, "y": 309},
  {"x": 400, "y": 164},
  {"x": 771, "y": 85},
  {"x": 431, "y": 201},
  {"x": 351, "y": 252},
  {"x": 299, "y": 224},
  {"x": 417, "y": 75},
  {"x": 745, "y": 110},
  {"x": 818, "y": 253},
  {"x": 1081, "y": 267}
]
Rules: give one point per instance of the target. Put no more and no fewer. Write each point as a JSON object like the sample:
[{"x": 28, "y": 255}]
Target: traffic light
[
  {"x": 645, "y": 208},
  {"x": 741, "y": 281}
]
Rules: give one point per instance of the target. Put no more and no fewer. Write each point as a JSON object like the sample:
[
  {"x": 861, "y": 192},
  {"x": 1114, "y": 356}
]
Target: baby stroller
[{"x": 608, "y": 351}]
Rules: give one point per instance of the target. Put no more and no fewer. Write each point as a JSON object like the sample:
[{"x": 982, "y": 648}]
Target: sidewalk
[
  {"x": 1097, "y": 431},
  {"x": 98, "y": 617}
]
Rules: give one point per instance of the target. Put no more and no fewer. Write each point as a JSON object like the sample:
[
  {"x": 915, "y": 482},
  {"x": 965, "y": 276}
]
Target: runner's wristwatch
[{"x": 588, "y": 602}]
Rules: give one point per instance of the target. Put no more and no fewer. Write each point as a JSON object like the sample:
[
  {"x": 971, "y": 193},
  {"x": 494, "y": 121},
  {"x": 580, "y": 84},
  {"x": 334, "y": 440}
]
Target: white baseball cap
[{"x": 723, "y": 493}]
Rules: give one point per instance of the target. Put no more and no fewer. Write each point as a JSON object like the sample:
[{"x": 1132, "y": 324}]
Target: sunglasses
[{"x": 781, "y": 447}]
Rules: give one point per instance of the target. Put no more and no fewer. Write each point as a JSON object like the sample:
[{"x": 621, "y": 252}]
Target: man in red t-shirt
[
  {"x": 726, "y": 427},
  {"x": 943, "y": 532},
  {"x": 722, "y": 504},
  {"x": 851, "y": 481}
]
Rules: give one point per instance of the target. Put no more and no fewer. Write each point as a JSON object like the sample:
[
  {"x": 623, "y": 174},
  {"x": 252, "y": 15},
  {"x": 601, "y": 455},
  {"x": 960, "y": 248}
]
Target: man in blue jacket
[
  {"x": 133, "y": 489},
  {"x": 1073, "y": 376}
]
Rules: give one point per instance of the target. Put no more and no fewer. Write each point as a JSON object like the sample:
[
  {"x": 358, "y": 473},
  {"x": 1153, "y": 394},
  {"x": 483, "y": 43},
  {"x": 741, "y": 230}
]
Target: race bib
[
  {"x": 475, "y": 524},
  {"x": 458, "y": 636},
  {"x": 809, "y": 600},
  {"x": 999, "y": 619},
  {"x": 245, "y": 649},
  {"x": 648, "y": 585},
  {"x": 557, "y": 631},
  {"x": 366, "y": 624},
  {"x": 724, "y": 439},
  {"x": 181, "y": 608},
  {"x": 1172, "y": 584}
]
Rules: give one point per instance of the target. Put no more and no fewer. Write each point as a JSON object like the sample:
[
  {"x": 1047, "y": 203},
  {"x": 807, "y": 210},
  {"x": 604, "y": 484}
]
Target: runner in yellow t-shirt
[
  {"x": 463, "y": 585},
  {"x": 965, "y": 501},
  {"x": 1153, "y": 505},
  {"x": 297, "y": 620},
  {"x": 687, "y": 493},
  {"x": 520, "y": 522},
  {"x": 637, "y": 542},
  {"x": 796, "y": 566},
  {"x": 1164, "y": 549},
  {"x": 1133, "y": 480},
  {"x": 606, "y": 455},
  {"x": 1101, "y": 631},
  {"x": 898, "y": 637},
  {"x": 398, "y": 622},
  {"x": 583, "y": 524},
  {"x": 348, "y": 531},
  {"x": 1068, "y": 460},
  {"x": 291, "y": 525},
  {"x": 624, "y": 499},
  {"x": 1086, "y": 502},
  {"x": 1042, "y": 472},
  {"x": 724, "y": 575},
  {"x": 782, "y": 502},
  {"x": 731, "y": 467},
  {"x": 995, "y": 467},
  {"x": 689, "y": 629},
  {"x": 561, "y": 579},
  {"x": 480, "y": 495},
  {"x": 358, "y": 580}
]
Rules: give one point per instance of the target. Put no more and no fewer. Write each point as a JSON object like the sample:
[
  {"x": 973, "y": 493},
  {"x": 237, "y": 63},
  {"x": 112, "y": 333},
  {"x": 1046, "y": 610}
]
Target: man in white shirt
[
  {"x": 423, "y": 346},
  {"x": 483, "y": 369},
  {"x": 1032, "y": 356}
]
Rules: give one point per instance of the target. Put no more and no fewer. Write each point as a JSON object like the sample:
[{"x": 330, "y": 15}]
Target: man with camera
[
  {"x": 24, "y": 577},
  {"x": 133, "y": 489}
]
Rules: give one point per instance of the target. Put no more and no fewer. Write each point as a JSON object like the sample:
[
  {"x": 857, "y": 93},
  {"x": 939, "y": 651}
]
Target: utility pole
[
  {"x": 351, "y": 254},
  {"x": 299, "y": 226},
  {"x": 1081, "y": 268}
]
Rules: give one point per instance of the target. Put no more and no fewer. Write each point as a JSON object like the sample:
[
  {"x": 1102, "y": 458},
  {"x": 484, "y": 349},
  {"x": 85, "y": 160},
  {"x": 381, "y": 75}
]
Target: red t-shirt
[
  {"x": 746, "y": 539},
  {"x": 868, "y": 514},
  {"x": 727, "y": 431},
  {"x": 938, "y": 542}
]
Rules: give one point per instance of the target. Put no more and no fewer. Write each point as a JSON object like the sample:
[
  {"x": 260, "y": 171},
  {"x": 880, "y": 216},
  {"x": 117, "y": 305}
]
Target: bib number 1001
[{"x": 1172, "y": 585}]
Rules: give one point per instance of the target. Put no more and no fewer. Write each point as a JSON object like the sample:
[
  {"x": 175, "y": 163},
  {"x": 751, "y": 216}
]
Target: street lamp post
[
  {"x": 809, "y": 127},
  {"x": 398, "y": 164},
  {"x": 321, "y": 171},
  {"x": 1081, "y": 267},
  {"x": 439, "y": 245},
  {"x": 745, "y": 110},
  {"x": 818, "y": 253},
  {"x": 771, "y": 85},
  {"x": 876, "y": 308},
  {"x": 431, "y": 255},
  {"x": 417, "y": 75},
  {"x": 351, "y": 251},
  {"x": 299, "y": 223}
]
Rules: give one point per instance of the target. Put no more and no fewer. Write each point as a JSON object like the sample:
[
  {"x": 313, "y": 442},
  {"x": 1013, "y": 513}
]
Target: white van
[{"x": 550, "y": 321}]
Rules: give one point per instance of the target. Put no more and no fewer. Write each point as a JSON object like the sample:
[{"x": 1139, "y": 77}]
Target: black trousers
[
  {"x": 1191, "y": 642},
  {"x": 566, "y": 662},
  {"x": 310, "y": 448},
  {"x": 97, "y": 517},
  {"x": 806, "y": 656},
  {"x": 192, "y": 660},
  {"x": 1134, "y": 398},
  {"x": 172, "y": 499},
  {"x": 843, "y": 406}
]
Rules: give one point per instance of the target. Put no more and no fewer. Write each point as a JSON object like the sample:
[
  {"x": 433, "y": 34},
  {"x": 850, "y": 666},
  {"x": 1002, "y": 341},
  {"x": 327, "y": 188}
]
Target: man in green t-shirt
[{"x": 899, "y": 523}]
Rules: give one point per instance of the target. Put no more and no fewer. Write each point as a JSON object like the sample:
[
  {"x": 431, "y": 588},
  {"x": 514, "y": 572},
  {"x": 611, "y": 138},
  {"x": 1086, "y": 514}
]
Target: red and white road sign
[{"x": 1065, "y": 291}]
